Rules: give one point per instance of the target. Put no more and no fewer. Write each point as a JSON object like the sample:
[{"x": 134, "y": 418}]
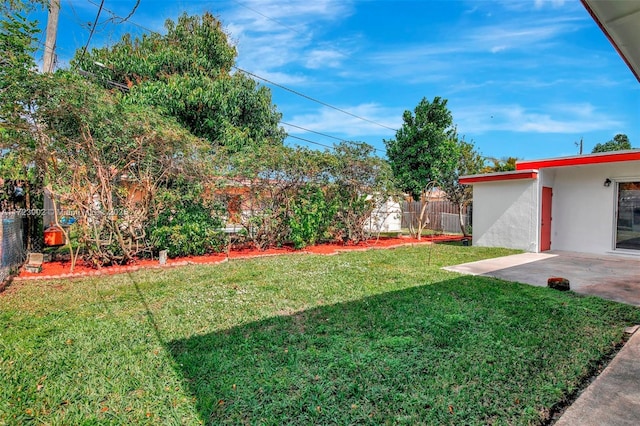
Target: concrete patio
[{"x": 612, "y": 277}]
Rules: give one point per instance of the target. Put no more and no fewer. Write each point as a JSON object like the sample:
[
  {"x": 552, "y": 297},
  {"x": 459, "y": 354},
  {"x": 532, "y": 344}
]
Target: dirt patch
[{"x": 62, "y": 268}]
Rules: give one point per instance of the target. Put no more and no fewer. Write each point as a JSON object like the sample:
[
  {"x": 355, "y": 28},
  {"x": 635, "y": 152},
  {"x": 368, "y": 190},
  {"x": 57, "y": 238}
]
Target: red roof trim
[
  {"x": 496, "y": 177},
  {"x": 582, "y": 160}
]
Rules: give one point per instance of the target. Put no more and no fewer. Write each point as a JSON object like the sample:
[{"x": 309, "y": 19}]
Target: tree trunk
[
  {"x": 421, "y": 219},
  {"x": 461, "y": 220}
]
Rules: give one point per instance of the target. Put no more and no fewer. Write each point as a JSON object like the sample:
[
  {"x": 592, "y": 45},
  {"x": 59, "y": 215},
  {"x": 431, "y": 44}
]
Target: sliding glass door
[{"x": 628, "y": 224}]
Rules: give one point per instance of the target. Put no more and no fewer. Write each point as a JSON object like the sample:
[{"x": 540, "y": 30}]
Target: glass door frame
[{"x": 616, "y": 204}]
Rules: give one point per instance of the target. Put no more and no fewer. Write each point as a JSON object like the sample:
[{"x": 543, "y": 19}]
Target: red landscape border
[{"x": 61, "y": 269}]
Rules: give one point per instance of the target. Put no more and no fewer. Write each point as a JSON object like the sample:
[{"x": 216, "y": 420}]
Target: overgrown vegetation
[
  {"x": 156, "y": 166},
  {"x": 311, "y": 217},
  {"x": 307, "y": 196},
  {"x": 374, "y": 337},
  {"x": 189, "y": 221},
  {"x": 186, "y": 74}
]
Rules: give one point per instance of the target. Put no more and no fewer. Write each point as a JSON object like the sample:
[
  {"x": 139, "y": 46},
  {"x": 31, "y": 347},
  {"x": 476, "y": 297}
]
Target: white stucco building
[{"x": 587, "y": 203}]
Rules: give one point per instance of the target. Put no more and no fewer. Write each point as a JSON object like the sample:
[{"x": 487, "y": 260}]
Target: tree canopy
[
  {"x": 18, "y": 80},
  {"x": 469, "y": 162},
  {"x": 619, "y": 142},
  {"x": 504, "y": 164},
  {"x": 424, "y": 149},
  {"x": 186, "y": 73}
]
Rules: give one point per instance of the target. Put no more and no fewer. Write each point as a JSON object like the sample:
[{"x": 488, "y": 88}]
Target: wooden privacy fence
[{"x": 442, "y": 216}]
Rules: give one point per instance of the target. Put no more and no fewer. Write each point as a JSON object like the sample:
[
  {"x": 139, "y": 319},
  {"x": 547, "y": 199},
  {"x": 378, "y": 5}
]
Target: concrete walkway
[
  {"x": 613, "y": 399},
  {"x": 614, "y": 396}
]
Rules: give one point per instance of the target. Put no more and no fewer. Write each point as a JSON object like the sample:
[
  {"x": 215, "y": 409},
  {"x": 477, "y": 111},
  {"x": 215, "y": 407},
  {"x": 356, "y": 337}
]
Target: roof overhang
[
  {"x": 499, "y": 177},
  {"x": 620, "y": 22}
]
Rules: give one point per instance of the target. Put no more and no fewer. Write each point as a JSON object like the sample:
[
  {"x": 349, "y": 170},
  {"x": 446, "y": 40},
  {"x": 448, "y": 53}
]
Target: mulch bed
[{"x": 62, "y": 268}]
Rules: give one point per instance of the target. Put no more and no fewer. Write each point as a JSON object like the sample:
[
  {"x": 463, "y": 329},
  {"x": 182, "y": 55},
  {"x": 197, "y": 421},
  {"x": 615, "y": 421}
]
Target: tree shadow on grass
[{"x": 464, "y": 351}]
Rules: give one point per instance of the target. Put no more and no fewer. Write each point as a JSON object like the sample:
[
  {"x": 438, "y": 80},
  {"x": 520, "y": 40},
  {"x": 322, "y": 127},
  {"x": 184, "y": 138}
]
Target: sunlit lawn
[{"x": 377, "y": 337}]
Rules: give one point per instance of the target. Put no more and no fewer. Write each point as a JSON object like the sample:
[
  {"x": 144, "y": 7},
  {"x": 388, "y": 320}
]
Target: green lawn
[{"x": 378, "y": 337}]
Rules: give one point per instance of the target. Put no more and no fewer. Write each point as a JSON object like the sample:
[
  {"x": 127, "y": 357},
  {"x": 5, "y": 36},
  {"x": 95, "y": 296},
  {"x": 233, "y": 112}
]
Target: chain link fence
[{"x": 12, "y": 247}]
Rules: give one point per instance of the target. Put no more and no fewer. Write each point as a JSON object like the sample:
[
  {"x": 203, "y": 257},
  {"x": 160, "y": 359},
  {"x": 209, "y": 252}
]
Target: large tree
[
  {"x": 619, "y": 142},
  {"x": 469, "y": 162},
  {"x": 186, "y": 73},
  {"x": 424, "y": 150},
  {"x": 98, "y": 154}
]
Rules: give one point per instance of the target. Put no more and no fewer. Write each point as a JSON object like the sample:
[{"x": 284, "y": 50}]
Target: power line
[
  {"x": 341, "y": 53},
  {"x": 312, "y": 99},
  {"x": 320, "y": 133},
  {"x": 126, "y": 18},
  {"x": 79, "y": 21},
  {"x": 93, "y": 28},
  {"x": 121, "y": 19},
  {"x": 313, "y": 131},
  {"x": 310, "y": 141},
  {"x": 324, "y": 145}
]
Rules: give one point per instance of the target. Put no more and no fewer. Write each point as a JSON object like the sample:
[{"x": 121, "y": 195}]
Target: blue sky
[{"x": 523, "y": 78}]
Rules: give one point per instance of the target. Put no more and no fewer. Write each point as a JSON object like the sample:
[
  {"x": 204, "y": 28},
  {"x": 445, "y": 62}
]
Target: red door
[{"x": 545, "y": 223}]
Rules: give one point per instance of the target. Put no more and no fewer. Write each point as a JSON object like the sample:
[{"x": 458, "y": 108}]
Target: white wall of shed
[
  {"x": 505, "y": 214},
  {"x": 386, "y": 217}
]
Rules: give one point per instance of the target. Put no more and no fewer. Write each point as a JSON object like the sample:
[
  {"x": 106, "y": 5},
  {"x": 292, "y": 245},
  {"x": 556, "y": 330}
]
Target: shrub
[
  {"x": 310, "y": 217},
  {"x": 187, "y": 223}
]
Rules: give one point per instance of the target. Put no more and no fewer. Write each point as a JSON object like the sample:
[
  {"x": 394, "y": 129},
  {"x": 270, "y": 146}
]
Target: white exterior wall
[
  {"x": 505, "y": 214},
  {"x": 386, "y": 217},
  {"x": 583, "y": 209}
]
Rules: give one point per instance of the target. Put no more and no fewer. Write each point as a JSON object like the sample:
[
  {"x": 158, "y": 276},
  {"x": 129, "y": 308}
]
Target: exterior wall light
[{"x": 607, "y": 182}]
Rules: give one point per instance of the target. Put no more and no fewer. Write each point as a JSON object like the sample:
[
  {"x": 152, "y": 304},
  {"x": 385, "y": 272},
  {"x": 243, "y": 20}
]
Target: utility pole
[
  {"x": 579, "y": 145},
  {"x": 34, "y": 225},
  {"x": 52, "y": 32}
]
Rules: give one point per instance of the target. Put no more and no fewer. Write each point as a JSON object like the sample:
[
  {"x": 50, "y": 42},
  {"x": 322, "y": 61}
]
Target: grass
[{"x": 378, "y": 337}]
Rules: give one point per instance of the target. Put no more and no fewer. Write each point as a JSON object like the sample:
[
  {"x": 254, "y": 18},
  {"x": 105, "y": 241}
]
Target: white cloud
[
  {"x": 272, "y": 34},
  {"x": 521, "y": 5},
  {"x": 539, "y": 4},
  {"x": 559, "y": 118},
  {"x": 462, "y": 49},
  {"x": 324, "y": 58},
  {"x": 279, "y": 77},
  {"x": 523, "y": 34},
  {"x": 331, "y": 121}
]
